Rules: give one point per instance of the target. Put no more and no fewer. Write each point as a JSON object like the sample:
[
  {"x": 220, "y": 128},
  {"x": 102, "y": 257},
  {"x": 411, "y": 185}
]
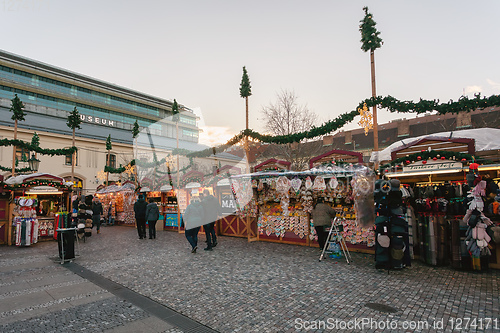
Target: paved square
[{"x": 269, "y": 287}]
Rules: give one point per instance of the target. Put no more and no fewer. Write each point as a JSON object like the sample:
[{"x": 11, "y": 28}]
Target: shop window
[
  {"x": 67, "y": 159},
  {"x": 111, "y": 160},
  {"x": 78, "y": 183}
]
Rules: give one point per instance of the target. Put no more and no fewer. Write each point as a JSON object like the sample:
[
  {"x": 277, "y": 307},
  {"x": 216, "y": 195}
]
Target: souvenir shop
[
  {"x": 441, "y": 189},
  {"x": 4, "y": 214},
  {"x": 169, "y": 208},
  {"x": 40, "y": 207},
  {"x": 281, "y": 201},
  {"x": 118, "y": 202}
]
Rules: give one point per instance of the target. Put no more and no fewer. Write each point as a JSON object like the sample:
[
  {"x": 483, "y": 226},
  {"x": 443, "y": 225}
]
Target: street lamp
[{"x": 33, "y": 163}]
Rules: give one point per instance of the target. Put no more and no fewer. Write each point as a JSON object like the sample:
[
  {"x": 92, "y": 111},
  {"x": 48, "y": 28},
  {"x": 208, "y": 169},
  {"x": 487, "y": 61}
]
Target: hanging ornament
[
  {"x": 366, "y": 120},
  {"x": 319, "y": 184},
  {"x": 308, "y": 183},
  {"x": 295, "y": 184},
  {"x": 282, "y": 184},
  {"x": 333, "y": 183}
]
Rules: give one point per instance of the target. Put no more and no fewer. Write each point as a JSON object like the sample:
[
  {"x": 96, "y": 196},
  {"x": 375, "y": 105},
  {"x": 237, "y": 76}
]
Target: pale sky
[{"x": 194, "y": 51}]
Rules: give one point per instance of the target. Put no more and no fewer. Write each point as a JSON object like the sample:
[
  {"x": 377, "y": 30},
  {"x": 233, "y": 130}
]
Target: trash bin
[{"x": 66, "y": 243}]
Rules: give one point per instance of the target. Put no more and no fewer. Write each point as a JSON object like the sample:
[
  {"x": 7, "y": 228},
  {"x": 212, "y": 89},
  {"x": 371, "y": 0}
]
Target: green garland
[
  {"x": 22, "y": 170},
  {"x": 150, "y": 164},
  {"x": 118, "y": 170},
  {"x": 36, "y": 148},
  {"x": 422, "y": 106},
  {"x": 389, "y": 102},
  {"x": 146, "y": 165}
]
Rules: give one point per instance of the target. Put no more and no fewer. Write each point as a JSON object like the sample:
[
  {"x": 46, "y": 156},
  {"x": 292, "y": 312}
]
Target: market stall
[
  {"x": 436, "y": 176},
  {"x": 40, "y": 202},
  {"x": 282, "y": 201},
  {"x": 4, "y": 213},
  {"x": 231, "y": 223},
  {"x": 169, "y": 208},
  {"x": 120, "y": 199}
]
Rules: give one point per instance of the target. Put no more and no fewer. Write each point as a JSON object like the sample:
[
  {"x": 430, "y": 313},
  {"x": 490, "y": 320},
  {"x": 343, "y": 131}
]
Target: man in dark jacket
[
  {"x": 140, "y": 216},
  {"x": 96, "y": 213},
  {"x": 152, "y": 215},
  {"x": 212, "y": 210}
]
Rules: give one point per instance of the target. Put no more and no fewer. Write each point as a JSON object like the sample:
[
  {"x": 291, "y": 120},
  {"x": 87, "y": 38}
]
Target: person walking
[
  {"x": 140, "y": 216},
  {"x": 212, "y": 210},
  {"x": 193, "y": 219},
  {"x": 111, "y": 212},
  {"x": 97, "y": 211},
  {"x": 322, "y": 215},
  {"x": 152, "y": 215}
]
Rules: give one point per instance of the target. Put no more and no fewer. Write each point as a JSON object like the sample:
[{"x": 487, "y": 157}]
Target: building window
[
  {"x": 22, "y": 155},
  {"x": 111, "y": 160},
  {"x": 67, "y": 159}
]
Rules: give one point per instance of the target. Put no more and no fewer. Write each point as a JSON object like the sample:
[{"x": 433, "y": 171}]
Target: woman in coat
[
  {"x": 152, "y": 215},
  {"x": 322, "y": 215},
  {"x": 193, "y": 219}
]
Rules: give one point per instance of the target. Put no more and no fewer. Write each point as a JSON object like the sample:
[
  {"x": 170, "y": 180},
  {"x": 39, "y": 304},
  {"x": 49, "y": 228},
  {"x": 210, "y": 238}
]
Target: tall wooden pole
[
  {"x": 73, "y": 160},
  {"x": 107, "y": 163},
  {"x": 178, "y": 178},
  {"x": 246, "y": 108},
  {"x": 14, "y": 150},
  {"x": 72, "y": 174},
  {"x": 247, "y": 153},
  {"x": 374, "y": 94}
]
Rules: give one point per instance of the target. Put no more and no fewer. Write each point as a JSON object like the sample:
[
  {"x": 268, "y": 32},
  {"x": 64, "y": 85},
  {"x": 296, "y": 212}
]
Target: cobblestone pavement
[
  {"x": 270, "y": 287},
  {"x": 38, "y": 294}
]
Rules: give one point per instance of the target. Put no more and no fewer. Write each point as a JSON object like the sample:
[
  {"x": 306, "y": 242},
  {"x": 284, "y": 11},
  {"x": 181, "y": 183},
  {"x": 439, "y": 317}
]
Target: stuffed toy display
[{"x": 479, "y": 227}]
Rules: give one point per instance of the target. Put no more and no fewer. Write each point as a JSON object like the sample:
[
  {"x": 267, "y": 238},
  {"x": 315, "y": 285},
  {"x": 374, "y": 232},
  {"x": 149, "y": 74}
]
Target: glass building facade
[{"x": 58, "y": 92}]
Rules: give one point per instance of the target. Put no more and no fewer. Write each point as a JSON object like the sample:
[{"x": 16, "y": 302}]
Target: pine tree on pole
[
  {"x": 135, "y": 130},
  {"x": 35, "y": 140},
  {"x": 73, "y": 122},
  {"x": 245, "y": 91},
  {"x": 135, "y": 134},
  {"x": 175, "y": 111},
  {"x": 17, "y": 108},
  {"x": 108, "y": 162},
  {"x": 370, "y": 41}
]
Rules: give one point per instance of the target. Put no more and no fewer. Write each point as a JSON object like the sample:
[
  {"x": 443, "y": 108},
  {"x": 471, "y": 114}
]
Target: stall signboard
[
  {"x": 419, "y": 166},
  {"x": 228, "y": 203},
  {"x": 182, "y": 197}
]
